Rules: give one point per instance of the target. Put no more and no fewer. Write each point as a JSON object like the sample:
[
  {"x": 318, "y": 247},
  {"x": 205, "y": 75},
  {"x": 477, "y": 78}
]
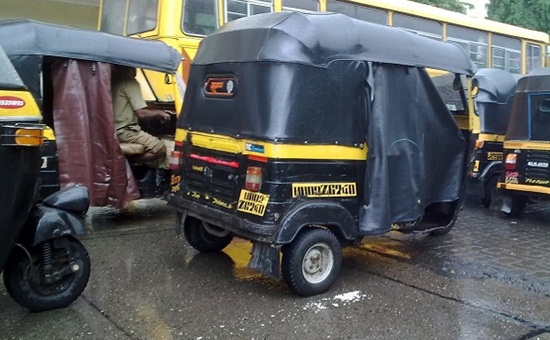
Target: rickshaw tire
[
  {"x": 200, "y": 239},
  {"x": 294, "y": 256},
  {"x": 27, "y": 294},
  {"x": 518, "y": 206},
  {"x": 489, "y": 191}
]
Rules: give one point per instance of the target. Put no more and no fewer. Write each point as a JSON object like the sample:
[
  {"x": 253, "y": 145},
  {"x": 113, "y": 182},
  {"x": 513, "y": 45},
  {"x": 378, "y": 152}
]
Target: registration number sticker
[{"x": 253, "y": 203}]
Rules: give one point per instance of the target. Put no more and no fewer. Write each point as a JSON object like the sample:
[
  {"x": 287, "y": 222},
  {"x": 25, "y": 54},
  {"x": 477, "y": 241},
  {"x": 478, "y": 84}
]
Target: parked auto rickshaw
[
  {"x": 303, "y": 133},
  {"x": 44, "y": 266},
  {"x": 68, "y": 71},
  {"x": 526, "y": 162},
  {"x": 492, "y": 102}
]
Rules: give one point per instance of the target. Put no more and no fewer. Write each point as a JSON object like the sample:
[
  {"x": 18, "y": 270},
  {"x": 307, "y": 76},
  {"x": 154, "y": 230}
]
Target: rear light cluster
[
  {"x": 479, "y": 144},
  {"x": 253, "y": 180},
  {"x": 176, "y": 156},
  {"x": 510, "y": 162},
  {"x": 254, "y": 174}
]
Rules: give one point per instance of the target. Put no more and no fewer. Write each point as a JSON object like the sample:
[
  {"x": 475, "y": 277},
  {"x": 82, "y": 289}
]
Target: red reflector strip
[
  {"x": 213, "y": 160},
  {"x": 257, "y": 158},
  {"x": 178, "y": 143}
]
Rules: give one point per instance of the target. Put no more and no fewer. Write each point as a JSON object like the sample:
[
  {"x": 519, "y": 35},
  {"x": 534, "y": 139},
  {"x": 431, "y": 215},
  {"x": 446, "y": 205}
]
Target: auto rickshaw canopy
[
  {"x": 530, "y": 112},
  {"x": 68, "y": 71},
  {"x": 317, "y": 39},
  {"x": 494, "y": 99},
  {"x": 28, "y": 42},
  {"x": 20, "y": 37},
  {"x": 328, "y": 79}
]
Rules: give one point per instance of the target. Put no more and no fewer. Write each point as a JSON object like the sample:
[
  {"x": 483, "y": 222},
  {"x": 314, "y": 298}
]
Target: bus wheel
[
  {"x": 490, "y": 191},
  {"x": 518, "y": 205},
  {"x": 311, "y": 262},
  {"x": 204, "y": 237}
]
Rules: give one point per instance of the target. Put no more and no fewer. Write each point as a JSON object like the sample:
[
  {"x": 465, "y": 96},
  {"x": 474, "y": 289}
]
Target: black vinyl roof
[
  {"x": 319, "y": 38},
  {"x": 536, "y": 80},
  {"x": 28, "y": 37},
  {"x": 498, "y": 84}
]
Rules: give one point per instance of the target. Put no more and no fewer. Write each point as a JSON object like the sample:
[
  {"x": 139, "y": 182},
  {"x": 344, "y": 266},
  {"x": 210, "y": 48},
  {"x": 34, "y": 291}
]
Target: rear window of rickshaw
[
  {"x": 451, "y": 97},
  {"x": 539, "y": 108}
]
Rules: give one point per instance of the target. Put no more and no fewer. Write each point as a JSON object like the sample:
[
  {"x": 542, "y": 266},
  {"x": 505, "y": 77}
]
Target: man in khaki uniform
[{"x": 129, "y": 107}]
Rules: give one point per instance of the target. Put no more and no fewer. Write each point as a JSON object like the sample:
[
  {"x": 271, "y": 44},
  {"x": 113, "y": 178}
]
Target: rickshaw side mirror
[
  {"x": 475, "y": 87},
  {"x": 168, "y": 79}
]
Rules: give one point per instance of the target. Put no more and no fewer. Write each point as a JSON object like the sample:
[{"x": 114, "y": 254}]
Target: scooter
[{"x": 48, "y": 267}]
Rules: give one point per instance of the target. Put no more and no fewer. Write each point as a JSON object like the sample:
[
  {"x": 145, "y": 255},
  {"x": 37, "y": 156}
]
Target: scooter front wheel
[{"x": 40, "y": 284}]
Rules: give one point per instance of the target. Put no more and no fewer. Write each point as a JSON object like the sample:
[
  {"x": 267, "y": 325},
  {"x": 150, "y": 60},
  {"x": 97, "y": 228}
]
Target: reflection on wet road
[{"x": 148, "y": 284}]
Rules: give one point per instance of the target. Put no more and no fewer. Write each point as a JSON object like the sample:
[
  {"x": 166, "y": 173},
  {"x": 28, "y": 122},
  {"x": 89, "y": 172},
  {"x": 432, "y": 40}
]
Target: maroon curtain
[{"x": 88, "y": 149}]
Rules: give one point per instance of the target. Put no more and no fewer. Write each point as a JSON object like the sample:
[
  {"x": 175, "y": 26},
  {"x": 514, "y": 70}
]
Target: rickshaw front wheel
[
  {"x": 70, "y": 269},
  {"x": 202, "y": 237},
  {"x": 312, "y": 262}
]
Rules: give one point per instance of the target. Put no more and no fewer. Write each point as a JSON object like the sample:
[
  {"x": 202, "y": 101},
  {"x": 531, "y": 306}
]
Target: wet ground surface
[{"x": 487, "y": 279}]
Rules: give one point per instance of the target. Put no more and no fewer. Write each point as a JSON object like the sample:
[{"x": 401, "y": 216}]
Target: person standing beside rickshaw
[{"x": 129, "y": 108}]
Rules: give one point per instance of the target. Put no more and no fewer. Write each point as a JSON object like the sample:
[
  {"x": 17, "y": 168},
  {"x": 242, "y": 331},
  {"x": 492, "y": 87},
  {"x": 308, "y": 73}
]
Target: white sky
[{"x": 479, "y": 10}]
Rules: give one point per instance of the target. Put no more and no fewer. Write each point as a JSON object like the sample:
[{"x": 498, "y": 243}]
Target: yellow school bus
[{"x": 183, "y": 23}]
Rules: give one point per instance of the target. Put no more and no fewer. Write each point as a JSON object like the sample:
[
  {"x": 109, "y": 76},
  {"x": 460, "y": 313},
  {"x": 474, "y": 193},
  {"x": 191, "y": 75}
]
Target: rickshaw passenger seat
[{"x": 132, "y": 149}]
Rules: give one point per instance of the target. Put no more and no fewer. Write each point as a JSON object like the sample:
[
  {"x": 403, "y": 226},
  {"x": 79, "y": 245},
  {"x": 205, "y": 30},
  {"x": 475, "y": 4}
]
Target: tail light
[
  {"x": 510, "y": 162},
  {"x": 479, "y": 144},
  {"x": 253, "y": 178},
  {"x": 174, "y": 161}
]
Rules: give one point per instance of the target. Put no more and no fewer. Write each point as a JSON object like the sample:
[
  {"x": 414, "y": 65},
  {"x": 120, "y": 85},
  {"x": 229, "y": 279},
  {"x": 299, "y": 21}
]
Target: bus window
[
  {"x": 425, "y": 27},
  {"x": 499, "y": 58},
  {"x": 364, "y": 13},
  {"x": 199, "y": 17},
  {"x": 506, "y": 53},
  {"x": 473, "y": 41},
  {"x": 112, "y": 17},
  {"x": 534, "y": 57},
  {"x": 236, "y": 9},
  {"x": 300, "y": 5},
  {"x": 142, "y": 16}
]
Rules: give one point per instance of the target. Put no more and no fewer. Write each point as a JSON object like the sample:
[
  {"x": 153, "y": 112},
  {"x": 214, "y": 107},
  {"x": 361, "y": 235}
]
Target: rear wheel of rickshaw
[
  {"x": 489, "y": 192},
  {"x": 312, "y": 262},
  {"x": 518, "y": 205},
  {"x": 69, "y": 269},
  {"x": 205, "y": 237}
]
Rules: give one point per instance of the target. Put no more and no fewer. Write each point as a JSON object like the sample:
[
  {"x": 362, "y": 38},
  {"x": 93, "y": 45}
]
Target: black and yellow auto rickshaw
[
  {"x": 21, "y": 136},
  {"x": 43, "y": 265},
  {"x": 492, "y": 103},
  {"x": 526, "y": 158},
  {"x": 68, "y": 71},
  {"x": 305, "y": 132}
]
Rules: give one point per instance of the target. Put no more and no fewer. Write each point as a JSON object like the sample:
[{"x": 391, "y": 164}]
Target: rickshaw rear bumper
[{"x": 238, "y": 226}]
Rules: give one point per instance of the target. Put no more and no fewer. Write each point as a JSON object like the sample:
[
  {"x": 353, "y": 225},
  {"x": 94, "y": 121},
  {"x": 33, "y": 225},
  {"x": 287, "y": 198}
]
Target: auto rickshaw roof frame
[
  {"x": 331, "y": 36},
  {"x": 42, "y": 39}
]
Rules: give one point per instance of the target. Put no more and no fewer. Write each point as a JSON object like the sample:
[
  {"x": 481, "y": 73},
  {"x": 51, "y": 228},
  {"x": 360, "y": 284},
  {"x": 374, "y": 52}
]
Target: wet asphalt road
[{"x": 488, "y": 279}]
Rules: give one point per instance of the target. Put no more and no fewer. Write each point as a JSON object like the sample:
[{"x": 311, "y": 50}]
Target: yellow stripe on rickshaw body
[
  {"x": 273, "y": 150},
  {"x": 18, "y": 104},
  {"x": 530, "y": 145},
  {"x": 491, "y": 137},
  {"x": 525, "y": 188}
]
